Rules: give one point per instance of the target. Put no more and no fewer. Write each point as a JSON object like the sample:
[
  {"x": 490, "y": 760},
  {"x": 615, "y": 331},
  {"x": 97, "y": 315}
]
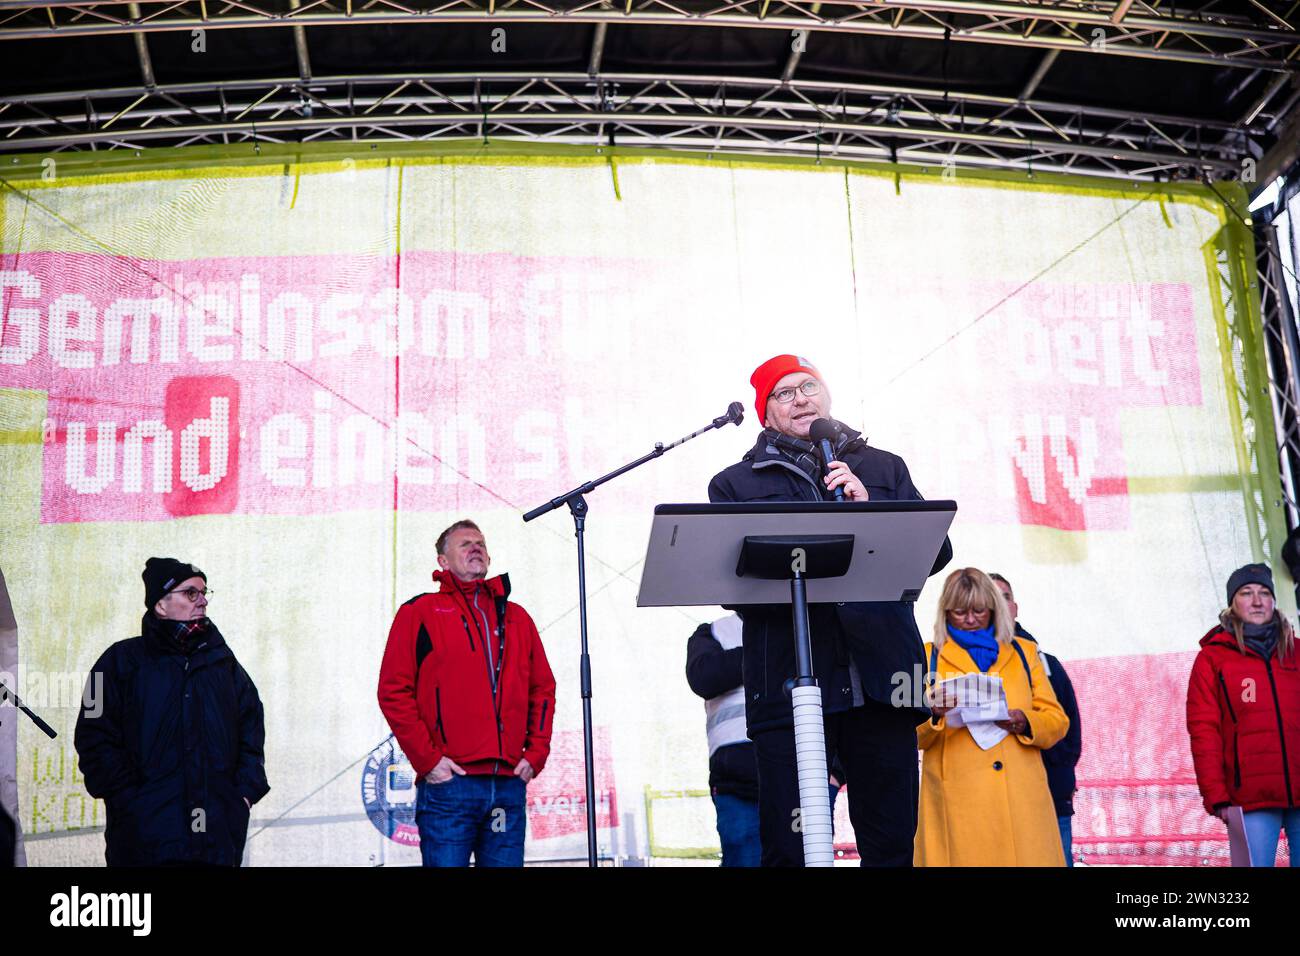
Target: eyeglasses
[
  {"x": 786, "y": 395},
  {"x": 192, "y": 594}
]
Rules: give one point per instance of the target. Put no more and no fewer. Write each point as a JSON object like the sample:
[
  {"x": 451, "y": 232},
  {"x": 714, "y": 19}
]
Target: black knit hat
[
  {"x": 1249, "y": 574},
  {"x": 162, "y": 574}
]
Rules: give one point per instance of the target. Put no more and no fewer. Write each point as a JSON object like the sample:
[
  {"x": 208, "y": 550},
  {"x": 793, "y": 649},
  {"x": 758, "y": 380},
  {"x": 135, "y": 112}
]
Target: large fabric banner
[{"x": 295, "y": 375}]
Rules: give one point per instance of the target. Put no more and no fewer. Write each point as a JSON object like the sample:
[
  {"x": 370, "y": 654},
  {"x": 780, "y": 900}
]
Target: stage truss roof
[{"x": 1128, "y": 89}]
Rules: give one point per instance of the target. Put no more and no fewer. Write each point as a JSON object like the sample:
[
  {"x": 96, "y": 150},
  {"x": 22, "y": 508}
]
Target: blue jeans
[
  {"x": 1067, "y": 838},
  {"x": 480, "y": 814},
  {"x": 1263, "y": 827},
  {"x": 737, "y": 829}
]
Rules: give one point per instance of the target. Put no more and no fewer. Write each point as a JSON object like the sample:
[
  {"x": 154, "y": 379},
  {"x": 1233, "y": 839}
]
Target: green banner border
[{"x": 1239, "y": 323}]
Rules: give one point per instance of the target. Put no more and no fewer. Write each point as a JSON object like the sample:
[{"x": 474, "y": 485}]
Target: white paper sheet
[{"x": 981, "y": 702}]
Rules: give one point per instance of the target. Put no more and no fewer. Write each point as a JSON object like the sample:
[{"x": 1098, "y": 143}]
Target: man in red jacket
[{"x": 468, "y": 693}]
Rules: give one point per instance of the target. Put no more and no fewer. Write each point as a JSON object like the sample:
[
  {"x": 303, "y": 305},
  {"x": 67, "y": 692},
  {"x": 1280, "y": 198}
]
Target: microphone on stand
[
  {"x": 735, "y": 413},
  {"x": 578, "y": 507},
  {"x": 823, "y": 432}
]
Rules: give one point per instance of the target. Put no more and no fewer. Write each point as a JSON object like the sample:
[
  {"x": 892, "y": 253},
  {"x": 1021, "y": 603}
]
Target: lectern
[{"x": 745, "y": 554}]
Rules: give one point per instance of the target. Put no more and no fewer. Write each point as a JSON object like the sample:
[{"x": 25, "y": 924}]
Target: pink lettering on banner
[
  {"x": 316, "y": 384},
  {"x": 1035, "y": 393},
  {"x": 557, "y": 799}
]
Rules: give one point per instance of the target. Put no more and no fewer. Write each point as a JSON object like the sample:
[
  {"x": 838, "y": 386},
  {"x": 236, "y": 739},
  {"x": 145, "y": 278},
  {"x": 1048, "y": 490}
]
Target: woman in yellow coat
[{"x": 987, "y": 807}]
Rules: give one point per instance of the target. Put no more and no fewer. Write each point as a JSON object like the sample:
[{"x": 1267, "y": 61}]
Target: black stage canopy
[{"x": 1134, "y": 90}]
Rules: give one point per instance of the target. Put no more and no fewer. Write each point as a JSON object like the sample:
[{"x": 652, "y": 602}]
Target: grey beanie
[{"x": 1250, "y": 574}]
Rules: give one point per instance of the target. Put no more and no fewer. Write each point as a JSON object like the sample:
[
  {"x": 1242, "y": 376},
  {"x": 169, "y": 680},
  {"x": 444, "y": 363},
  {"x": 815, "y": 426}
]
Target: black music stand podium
[{"x": 744, "y": 554}]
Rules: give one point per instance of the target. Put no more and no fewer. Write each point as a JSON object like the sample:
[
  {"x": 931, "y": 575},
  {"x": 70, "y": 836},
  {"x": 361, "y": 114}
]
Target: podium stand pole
[{"x": 815, "y": 821}]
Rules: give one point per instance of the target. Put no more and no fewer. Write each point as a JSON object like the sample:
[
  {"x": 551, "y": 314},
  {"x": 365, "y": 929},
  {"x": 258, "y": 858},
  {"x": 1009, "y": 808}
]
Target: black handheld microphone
[{"x": 823, "y": 433}]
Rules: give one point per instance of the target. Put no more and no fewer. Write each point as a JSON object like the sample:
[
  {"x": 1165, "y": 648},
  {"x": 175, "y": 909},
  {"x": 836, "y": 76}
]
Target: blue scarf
[{"x": 981, "y": 645}]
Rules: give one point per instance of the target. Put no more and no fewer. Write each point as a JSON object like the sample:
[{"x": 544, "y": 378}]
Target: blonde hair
[
  {"x": 1235, "y": 626},
  {"x": 970, "y": 587}
]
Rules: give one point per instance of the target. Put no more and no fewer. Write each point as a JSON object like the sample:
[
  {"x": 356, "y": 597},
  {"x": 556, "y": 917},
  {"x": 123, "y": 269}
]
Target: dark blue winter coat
[
  {"x": 1061, "y": 758},
  {"x": 881, "y": 637},
  {"x": 175, "y": 750}
]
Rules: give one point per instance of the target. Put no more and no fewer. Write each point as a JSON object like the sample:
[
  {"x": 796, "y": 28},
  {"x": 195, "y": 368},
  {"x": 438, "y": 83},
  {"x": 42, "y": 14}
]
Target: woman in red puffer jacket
[{"x": 1243, "y": 715}]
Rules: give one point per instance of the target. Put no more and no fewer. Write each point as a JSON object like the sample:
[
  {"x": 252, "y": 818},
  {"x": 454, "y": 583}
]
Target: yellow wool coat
[{"x": 990, "y": 807}]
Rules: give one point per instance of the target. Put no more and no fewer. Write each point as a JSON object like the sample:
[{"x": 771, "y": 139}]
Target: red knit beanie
[{"x": 772, "y": 371}]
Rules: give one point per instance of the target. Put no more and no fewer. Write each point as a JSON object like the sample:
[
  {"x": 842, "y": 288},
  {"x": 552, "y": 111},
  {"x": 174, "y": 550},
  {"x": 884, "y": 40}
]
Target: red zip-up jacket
[
  {"x": 1243, "y": 715},
  {"x": 449, "y": 685}
]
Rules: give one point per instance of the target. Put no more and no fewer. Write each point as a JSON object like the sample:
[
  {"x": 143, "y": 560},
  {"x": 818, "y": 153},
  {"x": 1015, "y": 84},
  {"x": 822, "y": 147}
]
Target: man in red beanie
[{"x": 858, "y": 647}]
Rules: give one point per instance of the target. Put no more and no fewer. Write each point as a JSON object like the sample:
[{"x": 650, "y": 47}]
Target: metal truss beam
[
  {"x": 1040, "y": 72},
  {"x": 142, "y": 52},
  {"x": 1231, "y": 268},
  {"x": 1282, "y": 343},
  {"x": 752, "y": 115},
  {"x": 1254, "y": 38},
  {"x": 300, "y": 44}
]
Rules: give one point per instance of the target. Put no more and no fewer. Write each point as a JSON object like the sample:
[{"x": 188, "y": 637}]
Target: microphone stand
[
  {"x": 7, "y": 694},
  {"x": 577, "y": 502}
]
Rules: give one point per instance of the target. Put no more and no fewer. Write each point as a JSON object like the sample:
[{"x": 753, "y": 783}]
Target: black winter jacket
[
  {"x": 1060, "y": 759},
  {"x": 175, "y": 750},
  {"x": 881, "y": 636}
]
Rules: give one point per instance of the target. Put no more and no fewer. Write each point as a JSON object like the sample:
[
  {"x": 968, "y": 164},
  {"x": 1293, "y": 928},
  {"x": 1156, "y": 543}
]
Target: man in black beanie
[{"x": 171, "y": 732}]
